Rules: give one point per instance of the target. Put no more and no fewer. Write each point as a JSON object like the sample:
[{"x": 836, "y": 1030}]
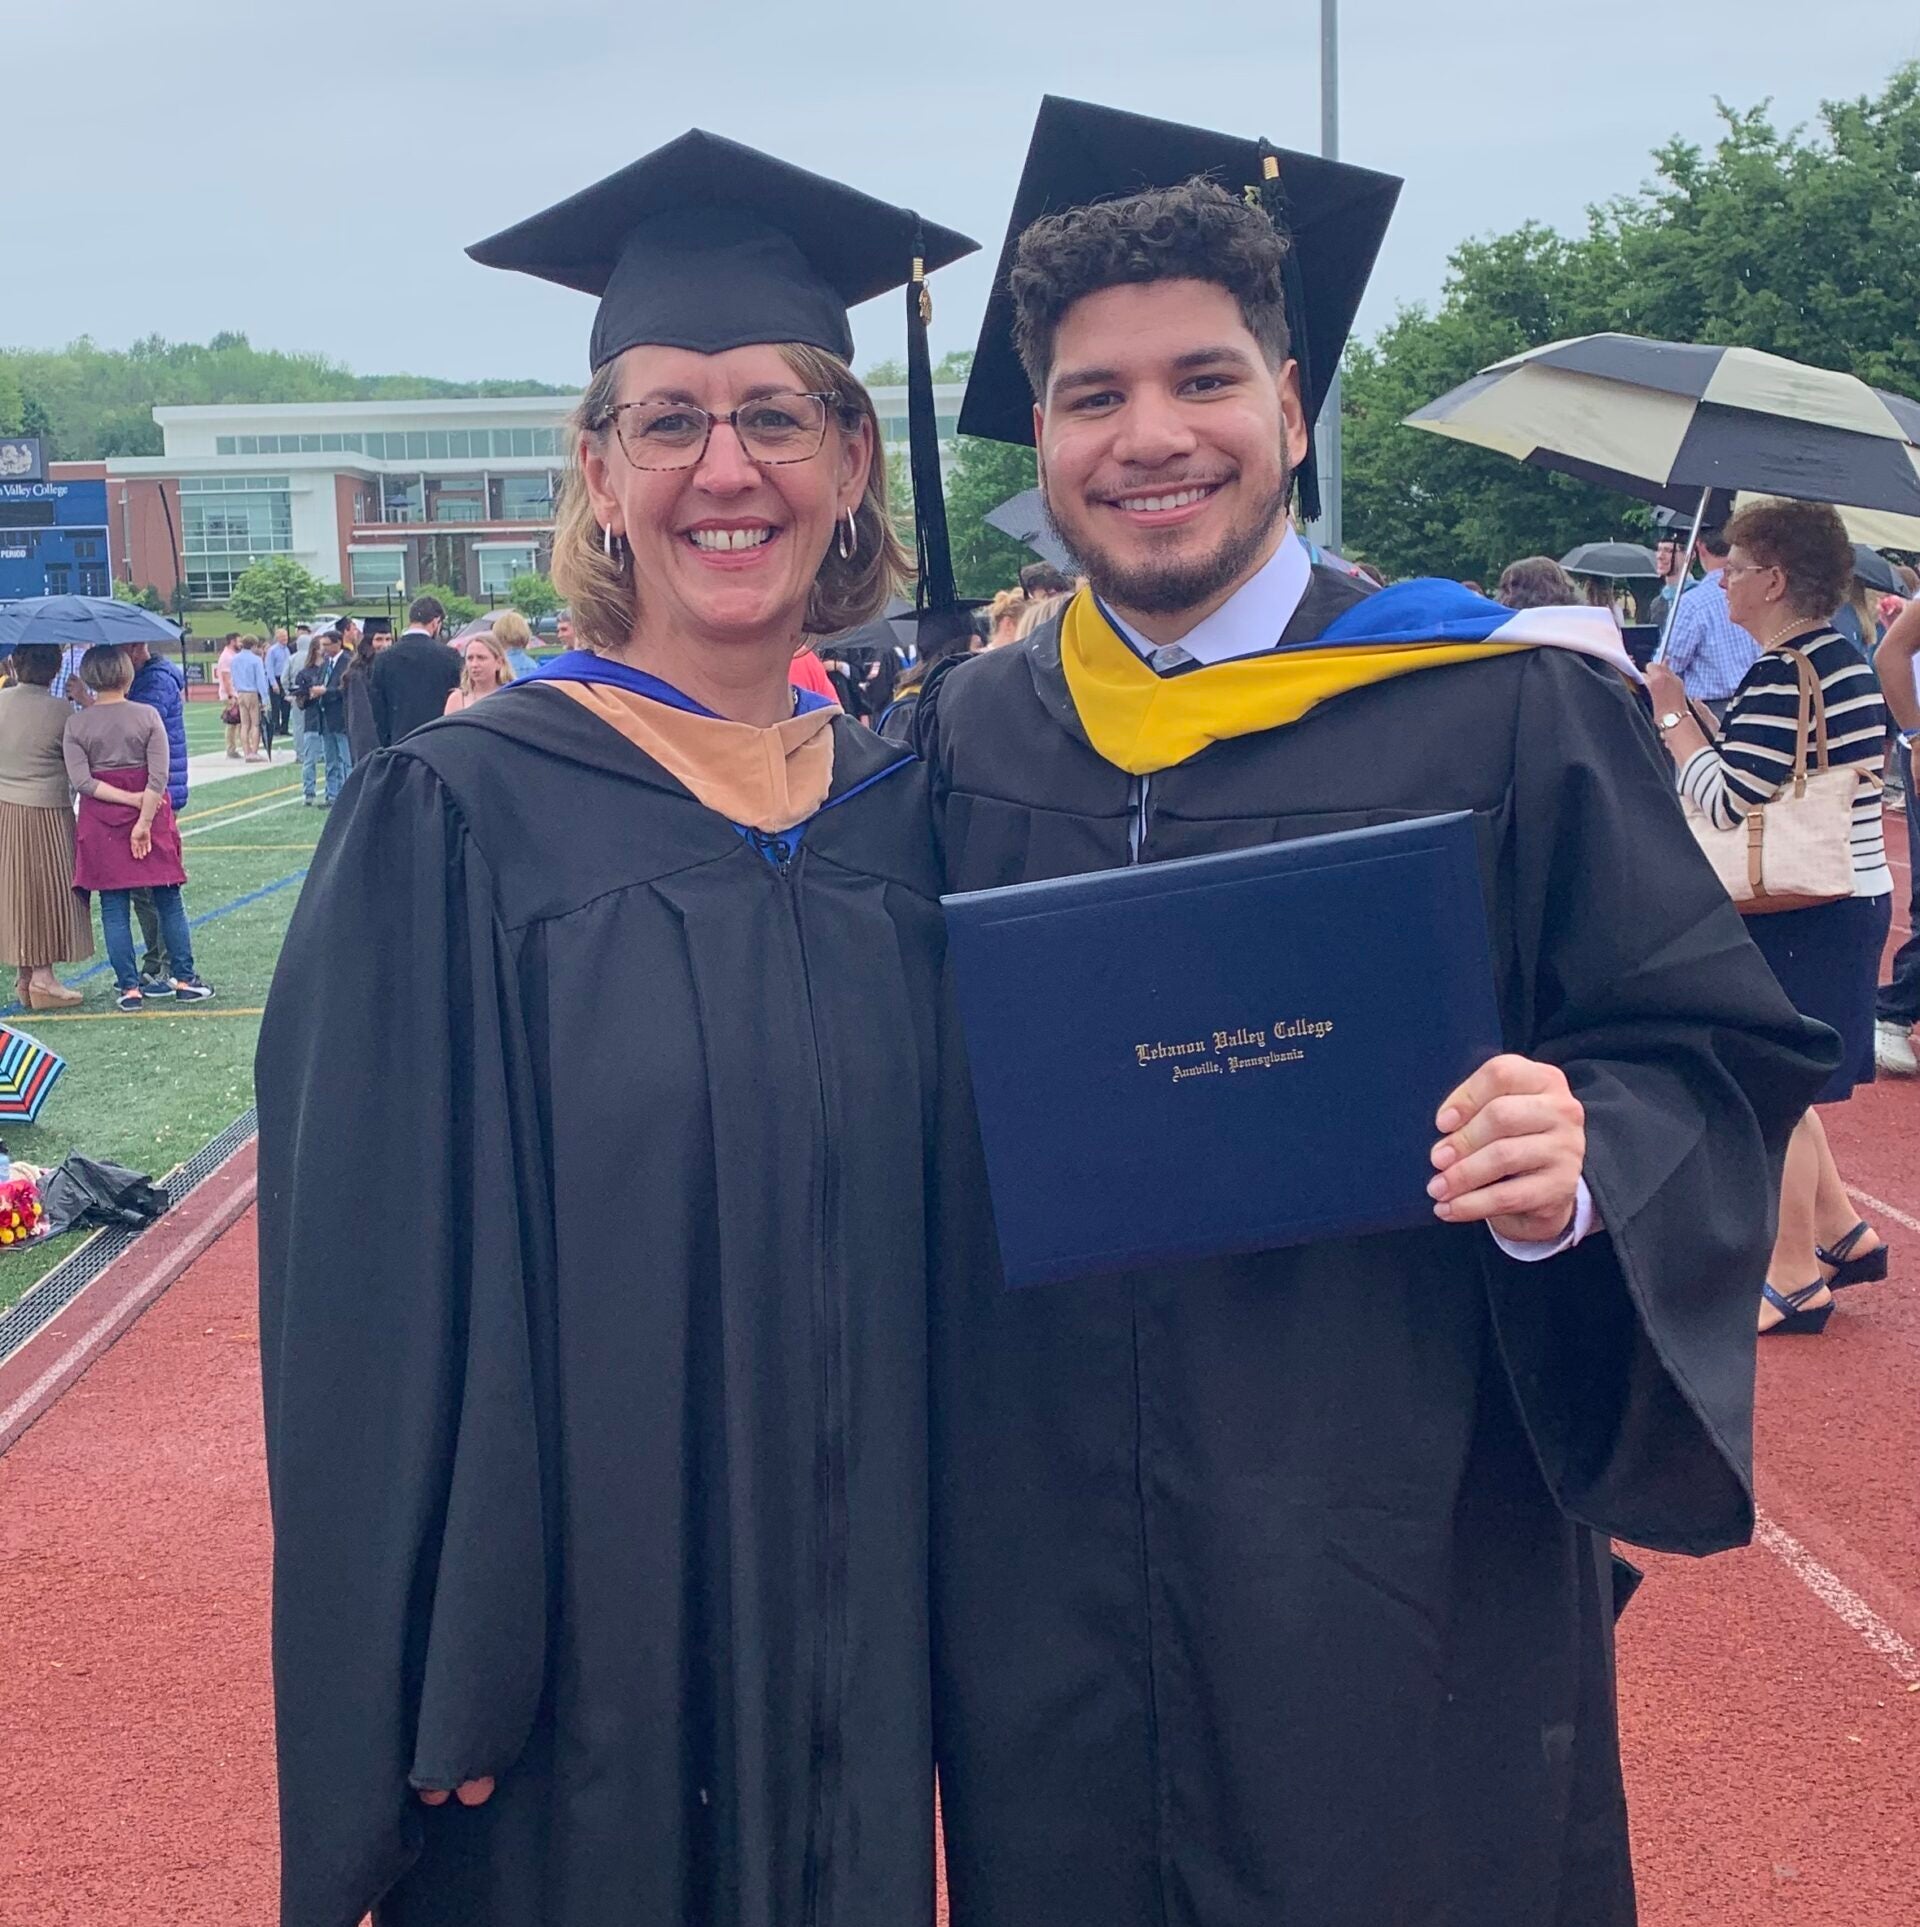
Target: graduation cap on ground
[
  {"x": 708, "y": 245},
  {"x": 1335, "y": 216}
]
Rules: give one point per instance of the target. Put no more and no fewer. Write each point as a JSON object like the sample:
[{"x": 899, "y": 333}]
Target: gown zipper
[{"x": 1139, "y": 792}]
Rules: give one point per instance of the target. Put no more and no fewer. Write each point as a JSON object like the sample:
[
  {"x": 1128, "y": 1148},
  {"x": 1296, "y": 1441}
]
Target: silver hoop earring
[{"x": 849, "y": 539}]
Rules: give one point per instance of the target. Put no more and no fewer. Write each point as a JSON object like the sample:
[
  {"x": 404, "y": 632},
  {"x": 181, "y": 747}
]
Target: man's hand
[
  {"x": 470, "y": 1793},
  {"x": 1515, "y": 1145}
]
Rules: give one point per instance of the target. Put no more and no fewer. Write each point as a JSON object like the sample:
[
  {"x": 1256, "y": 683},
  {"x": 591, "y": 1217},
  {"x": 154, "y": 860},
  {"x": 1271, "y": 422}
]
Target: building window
[
  {"x": 248, "y": 445},
  {"x": 400, "y": 499},
  {"x": 350, "y": 444},
  {"x": 498, "y": 567},
  {"x": 59, "y": 579},
  {"x": 228, "y": 522},
  {"x": 223, "y": 445},
  {"x": 524, "y": 498},
  {"x": 375, "y": 571},
  {"x": 93, "y": 580},
  {"x": 213, "y": 584},
  {"x": 416, "y": 440}
]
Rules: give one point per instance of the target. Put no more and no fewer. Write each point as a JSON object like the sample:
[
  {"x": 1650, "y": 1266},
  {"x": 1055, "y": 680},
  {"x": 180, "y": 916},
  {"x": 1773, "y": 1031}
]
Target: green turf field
[{"x": 150, "y": 1090}]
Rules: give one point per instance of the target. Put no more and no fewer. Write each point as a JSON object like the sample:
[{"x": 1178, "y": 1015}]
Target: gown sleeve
[
  {"x": 399, "y": 1195},
  {"x": 1632, "y": 1355}
]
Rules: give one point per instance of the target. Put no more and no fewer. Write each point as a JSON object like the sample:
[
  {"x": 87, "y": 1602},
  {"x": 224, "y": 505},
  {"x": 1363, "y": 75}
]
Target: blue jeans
[
  {"x": 320, "y": 747},
  {"x": 116, "y": 922}
]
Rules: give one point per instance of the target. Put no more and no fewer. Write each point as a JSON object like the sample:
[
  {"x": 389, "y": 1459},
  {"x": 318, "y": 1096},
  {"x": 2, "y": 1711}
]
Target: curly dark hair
[
  {"x": 1196, "y": 231},
  {"x": 1807, "y": 542}
]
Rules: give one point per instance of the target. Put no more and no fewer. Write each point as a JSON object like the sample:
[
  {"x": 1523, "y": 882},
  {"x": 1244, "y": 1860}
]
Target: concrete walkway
[{"x": 215, "y": 766}]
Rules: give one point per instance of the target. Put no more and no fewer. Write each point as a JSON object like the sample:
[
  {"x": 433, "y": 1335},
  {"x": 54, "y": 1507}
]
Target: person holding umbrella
[
  {"x": 1787, "y": 568},
  {"x": 42, "y": 922}
]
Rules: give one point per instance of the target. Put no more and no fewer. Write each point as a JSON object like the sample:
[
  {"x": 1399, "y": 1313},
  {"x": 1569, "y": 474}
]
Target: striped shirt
[
  {"x": 1754, "y": 757},
  {"x": 1708, "y": 650}
]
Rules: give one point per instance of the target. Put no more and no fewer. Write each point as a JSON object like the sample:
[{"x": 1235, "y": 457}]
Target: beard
[{"x": 1165, "y": 588}]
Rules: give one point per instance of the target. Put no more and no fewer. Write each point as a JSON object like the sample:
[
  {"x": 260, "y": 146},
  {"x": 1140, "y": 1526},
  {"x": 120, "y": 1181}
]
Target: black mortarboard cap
[
  {"x": 709, "y": 245},
  {"x": 1335, "y": 215}
]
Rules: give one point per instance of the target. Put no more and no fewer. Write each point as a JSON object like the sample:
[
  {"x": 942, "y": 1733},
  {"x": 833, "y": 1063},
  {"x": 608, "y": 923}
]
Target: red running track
[{"x": 1771, "y": 1744}]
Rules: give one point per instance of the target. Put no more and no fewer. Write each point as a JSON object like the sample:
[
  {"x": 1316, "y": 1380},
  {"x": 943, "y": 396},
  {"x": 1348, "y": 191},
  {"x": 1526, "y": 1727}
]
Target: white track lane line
[
  {"x": 1885, "y": 1209},
  {"x": 245, "y": 816},
  {"x": 1839, "y": 1598}
]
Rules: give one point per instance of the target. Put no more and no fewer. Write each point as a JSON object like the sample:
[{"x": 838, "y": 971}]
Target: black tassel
[
  {"x": 935, "y": 589},
  {"x": 1273, "y": 197}
]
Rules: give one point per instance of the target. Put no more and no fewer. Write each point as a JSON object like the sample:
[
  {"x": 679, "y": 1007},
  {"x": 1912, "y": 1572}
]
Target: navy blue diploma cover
[{"x": 1224, "y": 1053}]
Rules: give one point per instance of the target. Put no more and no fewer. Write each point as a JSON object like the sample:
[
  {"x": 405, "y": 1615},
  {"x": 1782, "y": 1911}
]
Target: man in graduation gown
[{"x": 1275, "y": 1591}]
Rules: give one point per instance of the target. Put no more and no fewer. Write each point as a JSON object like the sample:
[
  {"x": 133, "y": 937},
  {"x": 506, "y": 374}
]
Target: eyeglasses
[{"x": 773, "y": 429}]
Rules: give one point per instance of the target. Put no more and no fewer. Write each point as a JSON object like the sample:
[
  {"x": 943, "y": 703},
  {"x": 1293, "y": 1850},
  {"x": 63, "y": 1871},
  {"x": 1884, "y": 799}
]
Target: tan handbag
[{"x": 1796, "y": 851}]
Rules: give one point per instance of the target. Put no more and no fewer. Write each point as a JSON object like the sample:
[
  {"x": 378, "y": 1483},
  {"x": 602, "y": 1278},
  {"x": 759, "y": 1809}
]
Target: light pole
[{"x": 1330, "y": 150}]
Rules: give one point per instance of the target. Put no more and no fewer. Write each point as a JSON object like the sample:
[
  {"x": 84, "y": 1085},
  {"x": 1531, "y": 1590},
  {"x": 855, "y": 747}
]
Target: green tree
[
  {"x": 276, "y": 591},
  {"x": 460, "y": 608},
  {"x": 886, "y": 374},
  {"x": 1802, "y": 243},
  {"x": 985, "y": 474},
  {"x": 13, "y": 402},
  {"x": 533, "y": 595},
  {"x": 142, "y": 598}
]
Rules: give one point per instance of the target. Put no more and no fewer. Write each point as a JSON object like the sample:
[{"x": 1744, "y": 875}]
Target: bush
[{"x": 534, "y": 596}]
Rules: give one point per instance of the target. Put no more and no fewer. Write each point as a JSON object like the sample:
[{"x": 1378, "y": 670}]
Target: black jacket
[
  {"x": 411, "y": 683},
  {"x": 1273, "y": 1591}
]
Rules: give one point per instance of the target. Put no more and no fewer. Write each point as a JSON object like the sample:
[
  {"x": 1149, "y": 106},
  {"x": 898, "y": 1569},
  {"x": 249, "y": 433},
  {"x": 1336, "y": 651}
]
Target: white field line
[
  {"x": 1840, "y": 1598},
  {"x": 1885, "y": 1209},
  {"x": 245, "y": 816}
]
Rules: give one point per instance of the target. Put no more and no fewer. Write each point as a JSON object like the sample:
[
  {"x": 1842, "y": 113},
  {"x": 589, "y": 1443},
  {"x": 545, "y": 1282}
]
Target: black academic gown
[
  {"x": 1274, "y": 1591},
  {"x": 593, "y": 1327}
]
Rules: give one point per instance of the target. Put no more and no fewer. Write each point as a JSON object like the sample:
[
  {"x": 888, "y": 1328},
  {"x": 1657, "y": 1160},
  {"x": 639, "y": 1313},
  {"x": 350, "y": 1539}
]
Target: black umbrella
[
  {"x": 1617, "y": 561},
  {"x": 1874, "y": 571},
  {"x": 1024, "y": 517}
]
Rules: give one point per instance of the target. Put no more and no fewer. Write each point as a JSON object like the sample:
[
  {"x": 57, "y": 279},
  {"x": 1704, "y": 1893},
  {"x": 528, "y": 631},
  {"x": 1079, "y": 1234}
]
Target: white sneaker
[{"x": 1893, "y": 1049}]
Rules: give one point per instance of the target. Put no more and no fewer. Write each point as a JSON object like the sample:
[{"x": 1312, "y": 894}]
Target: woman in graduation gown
[{"x": 592, "y": 1232}]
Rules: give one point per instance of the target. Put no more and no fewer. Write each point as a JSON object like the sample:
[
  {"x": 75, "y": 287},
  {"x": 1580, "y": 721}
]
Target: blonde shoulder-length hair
[{"x": 847, "y": 591}]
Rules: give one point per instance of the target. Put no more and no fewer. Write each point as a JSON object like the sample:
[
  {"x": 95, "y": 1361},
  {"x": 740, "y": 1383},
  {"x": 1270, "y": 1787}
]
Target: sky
[{"x": 310, "y": 176}]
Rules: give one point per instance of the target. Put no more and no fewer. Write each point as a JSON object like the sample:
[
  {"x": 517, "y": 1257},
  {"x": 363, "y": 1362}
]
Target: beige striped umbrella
[{"x": 1671, "y": 422}]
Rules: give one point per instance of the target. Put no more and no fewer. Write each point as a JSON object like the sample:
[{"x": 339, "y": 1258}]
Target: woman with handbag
[{"x": 1786, "y": 803}]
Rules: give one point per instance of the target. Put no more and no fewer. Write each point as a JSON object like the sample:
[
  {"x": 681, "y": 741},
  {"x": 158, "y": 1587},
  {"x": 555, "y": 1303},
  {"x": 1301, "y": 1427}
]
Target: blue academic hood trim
[{"x": 582, "y": 665}]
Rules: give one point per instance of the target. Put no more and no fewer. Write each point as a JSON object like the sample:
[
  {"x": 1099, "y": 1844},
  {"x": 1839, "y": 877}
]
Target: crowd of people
[{"x": 93, "y": 770}]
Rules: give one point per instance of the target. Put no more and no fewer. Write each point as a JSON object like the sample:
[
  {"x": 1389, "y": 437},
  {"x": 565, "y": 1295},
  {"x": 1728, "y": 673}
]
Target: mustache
[{"x": 1154, "y": 484}]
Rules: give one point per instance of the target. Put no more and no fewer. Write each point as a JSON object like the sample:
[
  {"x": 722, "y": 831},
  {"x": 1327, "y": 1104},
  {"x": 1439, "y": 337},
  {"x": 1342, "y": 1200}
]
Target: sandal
[
  {"x": 1796, "y": 1321},
  {"x": 1869, "y": 1268}
]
